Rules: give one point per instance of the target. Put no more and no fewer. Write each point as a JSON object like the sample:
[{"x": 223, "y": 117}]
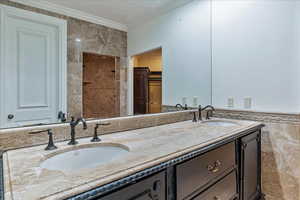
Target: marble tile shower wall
[
  {"x": 280, "y": 152},
  {"x": 94, "y": 39}
]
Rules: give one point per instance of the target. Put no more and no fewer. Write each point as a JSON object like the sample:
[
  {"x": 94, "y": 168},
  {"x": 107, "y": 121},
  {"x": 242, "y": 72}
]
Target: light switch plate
[
  {"x": 184, "y": 101},
  {"x": 230, "y": 102},
  {"x": 248, "y": 103}
]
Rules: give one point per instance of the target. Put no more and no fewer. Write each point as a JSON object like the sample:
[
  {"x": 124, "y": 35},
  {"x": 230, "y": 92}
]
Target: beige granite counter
[{"x": 26, "y": 180}]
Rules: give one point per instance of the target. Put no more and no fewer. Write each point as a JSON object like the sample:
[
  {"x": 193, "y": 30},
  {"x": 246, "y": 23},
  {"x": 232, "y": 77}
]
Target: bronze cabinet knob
[
  {"x": 157, "y": 185},
  {"x": 214, "y": 168},
  {"x": 218, "y": 163},
  {"x": 217, "y": 198}
]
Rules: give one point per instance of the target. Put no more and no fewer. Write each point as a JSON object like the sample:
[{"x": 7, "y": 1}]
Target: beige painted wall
[{"x": 151, "y": 59}]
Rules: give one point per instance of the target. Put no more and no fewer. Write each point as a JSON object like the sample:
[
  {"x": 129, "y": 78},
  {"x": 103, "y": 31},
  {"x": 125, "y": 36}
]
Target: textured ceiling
[{"x": 128, "y": 12}]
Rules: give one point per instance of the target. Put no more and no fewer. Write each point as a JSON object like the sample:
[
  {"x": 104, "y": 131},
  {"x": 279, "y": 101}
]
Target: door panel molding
[
  {"x": 21, "y": 85},
  {"x": 60, "y": 25}
]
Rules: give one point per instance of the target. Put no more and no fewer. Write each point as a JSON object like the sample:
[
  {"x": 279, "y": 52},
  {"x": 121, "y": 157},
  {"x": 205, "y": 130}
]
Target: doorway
[
  {"x": 148, "y": 82},
  {"x": 31, "y": 68},
  {"x": 101, "y": 89}
]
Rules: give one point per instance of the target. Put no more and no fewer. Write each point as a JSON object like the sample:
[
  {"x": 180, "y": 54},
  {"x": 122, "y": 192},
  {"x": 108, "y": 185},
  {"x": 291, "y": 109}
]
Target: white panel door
[{"x": 31, "y": 72}]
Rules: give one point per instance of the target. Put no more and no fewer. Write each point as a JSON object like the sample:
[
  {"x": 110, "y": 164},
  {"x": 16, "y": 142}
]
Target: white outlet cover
[
  {"x": 248, "y": 103},
  {"x": 230, "y": 102},
  {"x": 195, "y": 101},
  {"x": 184, "y": 100}
]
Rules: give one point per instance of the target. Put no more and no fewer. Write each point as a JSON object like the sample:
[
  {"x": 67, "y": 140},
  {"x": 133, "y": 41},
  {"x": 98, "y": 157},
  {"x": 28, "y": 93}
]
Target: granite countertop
[{"x": 24, "y": 179}]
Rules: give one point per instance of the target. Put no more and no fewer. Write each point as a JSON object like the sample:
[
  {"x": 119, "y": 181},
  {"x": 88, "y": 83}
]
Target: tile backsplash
[{"x": 20, "y": 137}]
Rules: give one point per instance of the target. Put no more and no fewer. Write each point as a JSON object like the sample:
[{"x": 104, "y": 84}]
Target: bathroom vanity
[
  {"x": 229, "y": 171},
  {"x": 212, "y": 160}
]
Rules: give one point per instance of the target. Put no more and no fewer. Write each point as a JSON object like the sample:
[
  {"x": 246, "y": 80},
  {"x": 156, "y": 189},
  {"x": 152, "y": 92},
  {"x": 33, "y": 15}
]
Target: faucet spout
[
  {"x": 210, "y": 109},
  {"x": 185, "y": 107},
  {"x": 73, "y": 125},
  {"x": 83, "y": 122},
  {"x": 209, "y": 106}
]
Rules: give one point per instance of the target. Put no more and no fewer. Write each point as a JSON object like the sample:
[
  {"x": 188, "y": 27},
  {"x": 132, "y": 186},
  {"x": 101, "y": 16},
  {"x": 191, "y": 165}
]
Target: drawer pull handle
[
  {"x": 215, "y": 167},
  {"x": 217, "y": 198},
  {"x": 157, "y": 185}
]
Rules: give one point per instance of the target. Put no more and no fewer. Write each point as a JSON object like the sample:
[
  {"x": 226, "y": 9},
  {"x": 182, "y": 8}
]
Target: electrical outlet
[
  {"x": 230, "y": 102},
  {"x": 195, "y": 101},
  {"x": 248, "y": 103},
  {"x": 184, "y": 101}
]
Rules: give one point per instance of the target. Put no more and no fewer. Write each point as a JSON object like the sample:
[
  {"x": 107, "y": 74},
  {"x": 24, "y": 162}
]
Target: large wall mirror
[{"x": 146, "y": 58}]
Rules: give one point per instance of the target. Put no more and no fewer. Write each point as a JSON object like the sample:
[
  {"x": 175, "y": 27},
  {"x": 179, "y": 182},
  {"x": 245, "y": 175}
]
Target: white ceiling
[{"x": 127, "y": 12}]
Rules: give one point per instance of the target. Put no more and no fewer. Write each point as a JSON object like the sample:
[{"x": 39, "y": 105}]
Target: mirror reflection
[
  {"x": 145, "y": 58},
  {"x": 148, "y": 82},
  {"x": 63, "y": 67}
]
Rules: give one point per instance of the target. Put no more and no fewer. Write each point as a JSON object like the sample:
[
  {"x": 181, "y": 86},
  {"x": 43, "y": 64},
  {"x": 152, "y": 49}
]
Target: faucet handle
[
  {"x": 103, "y": 124},
  {"x": 200, "y": 113},
  {"x": 72, "y": 118},
  {"x": 194, "y": 117},
  {"x": 96, "y": 138},
  {"x": 50, "y": 145},
  {"x": 186, "y": 107},
  {"x": 34, "y": 132}
]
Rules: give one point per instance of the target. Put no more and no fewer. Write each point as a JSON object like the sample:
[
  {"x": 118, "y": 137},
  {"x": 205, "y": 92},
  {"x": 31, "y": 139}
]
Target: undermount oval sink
[
  {"x": 220, "y": 123},
  {"x": 84, "y": 157}
]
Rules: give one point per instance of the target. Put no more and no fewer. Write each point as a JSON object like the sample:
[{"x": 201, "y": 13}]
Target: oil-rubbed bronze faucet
[
  {"x": 209, "y": 112},
  {"x": 73, "y": 125}
]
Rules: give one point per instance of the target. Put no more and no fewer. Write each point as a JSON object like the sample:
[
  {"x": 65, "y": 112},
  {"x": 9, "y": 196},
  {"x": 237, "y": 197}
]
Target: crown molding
[{"x": 73, "y": 13}]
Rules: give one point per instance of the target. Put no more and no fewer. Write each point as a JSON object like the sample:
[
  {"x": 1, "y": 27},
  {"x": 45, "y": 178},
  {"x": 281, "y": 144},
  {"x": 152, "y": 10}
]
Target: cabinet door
[
  {"x": 155, "y": 96},
  {"x": 251, "y": 166},
  {"x": 152, "y": 188},
  {"x": 141, "y": 93}
]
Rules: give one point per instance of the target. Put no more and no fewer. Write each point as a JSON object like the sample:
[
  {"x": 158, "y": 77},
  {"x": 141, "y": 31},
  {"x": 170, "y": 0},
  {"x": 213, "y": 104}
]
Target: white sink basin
[
  {"x": 220, "y": 123},
  {"x": 84, "y": 157}
]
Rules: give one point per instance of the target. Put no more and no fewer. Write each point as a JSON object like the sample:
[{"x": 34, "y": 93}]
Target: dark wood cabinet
[
  {"x": 250, "y": 166},
  {"x": 152, "y": 188},
  {"x": 141, "y": 90}
]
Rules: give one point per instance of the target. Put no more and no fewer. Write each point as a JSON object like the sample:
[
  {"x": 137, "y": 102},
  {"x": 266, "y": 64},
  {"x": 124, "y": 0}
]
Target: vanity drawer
[
  {"x": 153, "y": 187},
  {"x": 196, "y": 173},
  {"x": 226, "y": 189}
]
